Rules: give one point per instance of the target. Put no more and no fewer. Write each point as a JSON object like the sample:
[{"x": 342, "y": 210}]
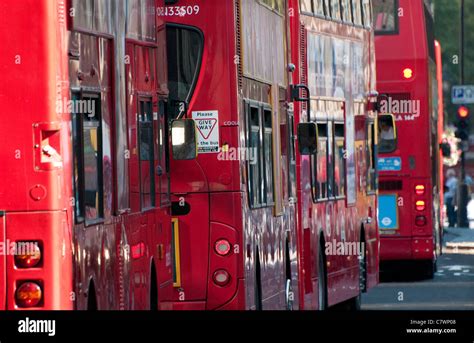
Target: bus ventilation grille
[
  {"x": 238, "y": 38},
  {"x": 304, "y": 71},
  {"x": 391, "y": 185}
]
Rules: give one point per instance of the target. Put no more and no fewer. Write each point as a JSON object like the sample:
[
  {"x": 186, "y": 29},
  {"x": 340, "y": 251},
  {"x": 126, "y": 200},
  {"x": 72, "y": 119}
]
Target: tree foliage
[{"x": 447, "y": 31}]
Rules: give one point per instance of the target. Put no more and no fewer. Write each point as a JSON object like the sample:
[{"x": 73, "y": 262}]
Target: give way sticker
[{"x": 207, "y": 123}]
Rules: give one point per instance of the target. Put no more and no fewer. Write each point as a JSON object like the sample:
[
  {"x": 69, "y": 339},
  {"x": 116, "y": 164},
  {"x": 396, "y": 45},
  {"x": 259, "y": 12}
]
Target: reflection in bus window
[
  {"x": 357, "y": 12},
  {"x": 339, "y": 160},
  {"x": 366, "y": 13},
  {"x": 276, "y": 5},
  {"x": 387, "y": 142},
  {"x": 330, "y": 162},
  {"x": 306, "y": 6},
  {"x": 385, "y": 16},
  {"x": 260, "y": 142},
  {"x": 371, "y": 158},
  {"x": 92, "y": 162},
  {"x": 185, "y": 47},
  {"x": 78, "y": 162},
  {"x": 319, "y": 173},
  {"x": 147, "y": 155},
  {"x": 335, "y": 9},
  {"x": 346, "y": 11},
  {"x": 255, "y": 177},
  {"x": 268, "y": 154}
]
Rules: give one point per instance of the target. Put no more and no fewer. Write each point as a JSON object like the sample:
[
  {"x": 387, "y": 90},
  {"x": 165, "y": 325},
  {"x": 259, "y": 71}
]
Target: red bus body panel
[{"x": 322, "y": 221}]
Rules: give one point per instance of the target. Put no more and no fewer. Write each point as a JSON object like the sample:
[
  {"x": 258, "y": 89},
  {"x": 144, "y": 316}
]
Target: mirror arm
[
  {"x": 295, "y": 96},
  {"x": 182, "y": 114}
]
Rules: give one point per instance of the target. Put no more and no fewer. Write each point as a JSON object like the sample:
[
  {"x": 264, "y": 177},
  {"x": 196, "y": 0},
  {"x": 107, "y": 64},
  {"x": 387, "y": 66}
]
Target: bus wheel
[
  {"x": 363, "y": 272},
  {"x": 353, "y": 304},
  {"x": 258, "y": 283},
  {"x": 322, "y": 285},
  {"x": 430, "y": 268},
  {"x": 153, "y": 289},
  {"x": 289, "y": 294},
  {"x": 91, "y": 298}
]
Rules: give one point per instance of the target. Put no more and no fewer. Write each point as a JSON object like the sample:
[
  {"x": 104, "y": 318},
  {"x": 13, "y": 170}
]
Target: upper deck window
[
  {"x": 335, "y": 8},
  {"x": 141, "y": 20},
  {"x": 92, "y": 15},
  {"x": 306, "y": 6},
  {"x": 346, "y": 11},
  {"x": 385, "y": 17},
  {"x": 316, "y": 7},
  {"x": 357, "y": 12},
  {"x": 430, "y": 32},
  {"x": 276, "y": 5},
  {"x": 367, "y": 13}
]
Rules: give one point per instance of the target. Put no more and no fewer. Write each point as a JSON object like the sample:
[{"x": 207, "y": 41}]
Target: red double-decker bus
[
  {"x": 237, "y": 206},
  {"x": 409, "y": 202},
  {"x": 234, "y": 211},
  {"x": 85, "y": 156},
  {"x": 333, "y": 50}
]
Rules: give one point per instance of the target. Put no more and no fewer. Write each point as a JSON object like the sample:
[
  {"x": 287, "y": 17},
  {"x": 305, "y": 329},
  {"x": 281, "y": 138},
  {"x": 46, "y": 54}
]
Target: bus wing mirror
[
  {"x": 372, "y": 101},
  {"x": 375, "y": 101},
  {"x": 296, "y": 95},
  {"x": 386, "y": 133},
  {"x": 387, "y": 127},
  {"x": 445, "y": 149},
  {"x": 387, "y": 121},
  {"x": 183, "y": 139},
  {"x": 308, "y": 139}
]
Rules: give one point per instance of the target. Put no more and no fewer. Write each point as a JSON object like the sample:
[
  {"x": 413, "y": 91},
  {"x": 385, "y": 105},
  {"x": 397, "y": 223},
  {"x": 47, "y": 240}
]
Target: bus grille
[{"x": 391, "y": 185}]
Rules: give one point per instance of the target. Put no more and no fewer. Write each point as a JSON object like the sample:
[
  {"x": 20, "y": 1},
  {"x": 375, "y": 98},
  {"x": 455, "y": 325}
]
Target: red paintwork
[
  {"x": 35, "y": 194},
  {"x": 394, "y": 54}
]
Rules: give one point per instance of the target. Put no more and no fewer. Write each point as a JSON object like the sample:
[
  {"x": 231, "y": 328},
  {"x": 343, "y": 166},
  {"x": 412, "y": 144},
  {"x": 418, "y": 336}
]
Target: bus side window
[
  {"x": 163, "y": 163},
  {"x": 147, "y": 154},
  {"x": 319, "y": 178},
  {"x": 78, "y": 162},
  {"x": 260, "y": 144},
  {"x": 371, "y": 158},
  {"x": 268, "y": 155},
  {"x": 87, "y": 143},
  {"x": 292, "y": 155},
  {"x": 255, "y": 187},
  {"x": 339, "y": 160},
  {"x": 330, "y": 162}
]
